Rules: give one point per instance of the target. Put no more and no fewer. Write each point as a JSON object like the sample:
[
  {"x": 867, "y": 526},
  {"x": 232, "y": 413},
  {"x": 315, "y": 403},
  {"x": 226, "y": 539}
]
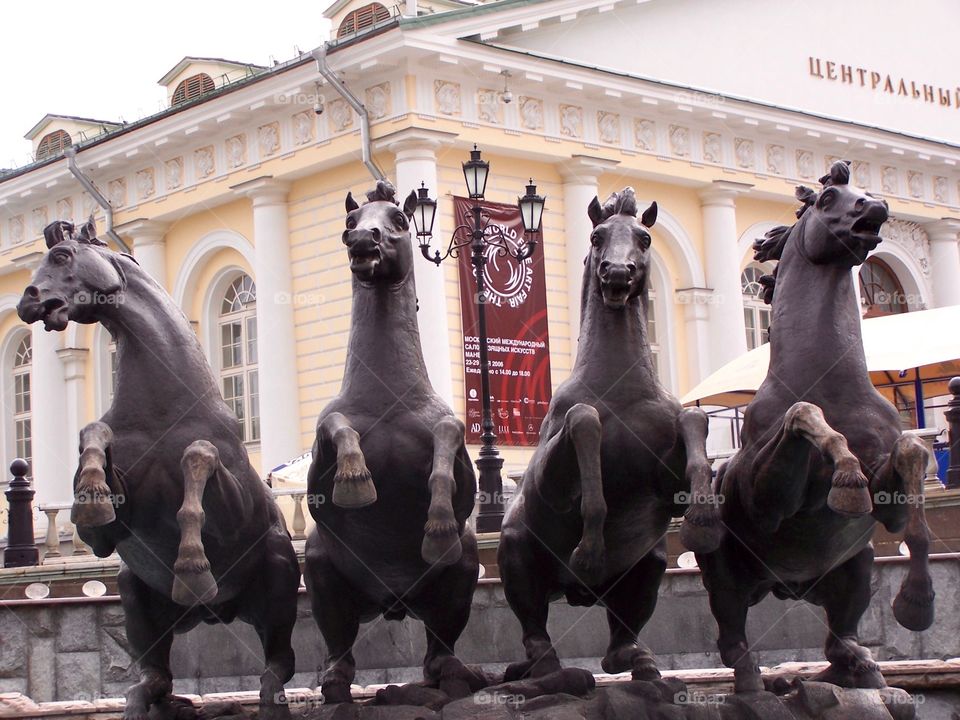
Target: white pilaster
[
  {"x": 696, "y": 316},
  {"x": 54, "y": 448},
  {"x": 149, "y": 247},
  {"x": 726, "y": 331},
  {"x": 74, "y": 366},
  {"x": 944, "y": 260},
  {"x": 416, "y": 162},
  {"x": 581, "y": 175},
  {"x": 279, "y": 403}
]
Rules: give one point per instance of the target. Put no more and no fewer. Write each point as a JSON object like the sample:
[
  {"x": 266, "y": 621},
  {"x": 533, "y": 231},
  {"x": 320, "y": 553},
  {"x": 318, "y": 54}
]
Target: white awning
[{"x": 895, "y": 347}]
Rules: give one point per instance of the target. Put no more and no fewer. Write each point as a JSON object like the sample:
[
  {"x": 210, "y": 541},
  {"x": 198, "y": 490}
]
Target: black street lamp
[{"x": 480, "y": 234}]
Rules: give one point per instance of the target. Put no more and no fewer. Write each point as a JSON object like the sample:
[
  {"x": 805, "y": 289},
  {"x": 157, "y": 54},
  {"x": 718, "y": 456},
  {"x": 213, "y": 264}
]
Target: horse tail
[{"x": 193, "y": 582}]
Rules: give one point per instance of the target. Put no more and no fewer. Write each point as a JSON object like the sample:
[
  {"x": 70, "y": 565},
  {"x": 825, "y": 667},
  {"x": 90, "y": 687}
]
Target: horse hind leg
[
  {"x": 192, "y": 580},
  {"x": 92, "y": 504},
  {"x": 913, "y": 606}
]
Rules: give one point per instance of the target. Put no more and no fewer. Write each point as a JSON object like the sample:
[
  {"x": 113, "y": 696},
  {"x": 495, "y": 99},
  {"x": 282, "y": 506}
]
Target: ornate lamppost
[{"x": 480, "y": 235}]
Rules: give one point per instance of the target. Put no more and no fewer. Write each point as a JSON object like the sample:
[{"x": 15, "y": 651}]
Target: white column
[
  {"x": 944, "y": 260},
  {"x": 74, "y": 366},
  {"x": 55, "y": 454},
  {"x": 276, "y": 341},
  {"x": 149, "y": 247},
  {"x": 416, "y": 162},
  {"x": 696, "y": 316},
  {"x": 726, "y": 332},
  {"x": 580, "y": 179}
]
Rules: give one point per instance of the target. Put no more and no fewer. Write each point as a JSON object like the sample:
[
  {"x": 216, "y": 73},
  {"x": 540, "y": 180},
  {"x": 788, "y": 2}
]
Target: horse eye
[
  {"x": 351, "y": 223},
  {"x": 858, "y": 206},
  {"x": 400, "y": 220},
  {"x": 61, "y": 258},
  {"x": 596, "y": 239}
]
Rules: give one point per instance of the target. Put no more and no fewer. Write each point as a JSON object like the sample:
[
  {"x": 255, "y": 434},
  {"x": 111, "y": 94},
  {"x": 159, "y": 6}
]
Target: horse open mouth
[
  {"x": 867, "y": 230},
  {"x": 55, "y": 314},
  {"x": 615, "y": 295},
  {"x": 364, "y": 262}
]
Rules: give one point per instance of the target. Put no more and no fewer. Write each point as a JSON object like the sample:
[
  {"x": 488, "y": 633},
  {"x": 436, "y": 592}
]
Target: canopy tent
[{"x": 902, "y": 351}]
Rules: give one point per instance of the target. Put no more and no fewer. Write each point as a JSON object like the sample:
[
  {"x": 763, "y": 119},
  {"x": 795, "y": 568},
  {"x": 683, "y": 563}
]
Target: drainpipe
[
  {"x": 71, "y": 155},
  {"x": 320, "y": 55}
]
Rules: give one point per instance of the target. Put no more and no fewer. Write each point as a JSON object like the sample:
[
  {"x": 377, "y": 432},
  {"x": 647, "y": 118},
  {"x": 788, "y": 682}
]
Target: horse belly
[{"x": 826, "y": 541}]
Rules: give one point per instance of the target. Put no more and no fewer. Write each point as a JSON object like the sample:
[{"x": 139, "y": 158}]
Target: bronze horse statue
[
  {"x": 391, "y": 485},
  {"x": 164, "y": 479},
  {"x": 618, "y": 458},
  {"x": 823, "y": 458}
]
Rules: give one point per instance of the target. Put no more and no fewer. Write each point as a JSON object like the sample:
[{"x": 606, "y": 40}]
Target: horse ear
[
  {"x": 88, "y": 232},
  {"x": 53, "y": 233},
  {"x": 649, "y": 217},
  {"x": 410, "y": 204},
  {"x": 595, "y": 211},
  {"x": 350, "y": 203}
]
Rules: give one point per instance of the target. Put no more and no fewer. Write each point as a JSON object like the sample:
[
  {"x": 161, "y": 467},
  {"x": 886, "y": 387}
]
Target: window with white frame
[
  {"x": 652, "y": 329},
  {"x": 756, "y": 313},
  {"x": 238, "y": 354},
  {"x": 22, "y": 434}
]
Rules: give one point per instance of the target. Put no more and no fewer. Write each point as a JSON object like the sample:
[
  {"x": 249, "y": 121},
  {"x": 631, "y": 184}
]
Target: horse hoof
[
  {"x": 354, "y": 492},
  {"x": 849, "y": 500},
  {"x": 336, "y": 692},
  {"x": 847, "y": 677},
  {"x": 587, "y": 564},
  {"x": 913, "y": 608},
  {"x": 747, "y": 680},
  {"x": 193, "y": 588},
  {"x": 92, "y": 509},
  {"x": 702, "y": 531},
  {"x": 441, "y": 547}
]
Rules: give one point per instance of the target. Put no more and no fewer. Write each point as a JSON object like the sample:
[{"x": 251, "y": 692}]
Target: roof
[
  {"x": 189, "y": 59},
  {"x": 467, "y": 12},
  {"x": 50, "y": 117}
]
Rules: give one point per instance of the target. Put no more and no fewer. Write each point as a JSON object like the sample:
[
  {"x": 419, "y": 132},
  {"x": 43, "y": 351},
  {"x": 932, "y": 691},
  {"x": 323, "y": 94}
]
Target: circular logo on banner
[{"x": 508, "y": 281}]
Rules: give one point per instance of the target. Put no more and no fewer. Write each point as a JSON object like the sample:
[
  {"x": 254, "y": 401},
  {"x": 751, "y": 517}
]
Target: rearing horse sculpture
[
  {"x": 617, "y": 460},
  {"x": 164, "y": 477},
  {"x": 390, "y": 456},
  {"x": 823, "y": 457}
]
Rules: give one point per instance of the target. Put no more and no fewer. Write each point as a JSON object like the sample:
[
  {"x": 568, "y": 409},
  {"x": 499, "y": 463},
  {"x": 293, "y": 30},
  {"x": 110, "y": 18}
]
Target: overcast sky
[{"x": 103, "y": 59}]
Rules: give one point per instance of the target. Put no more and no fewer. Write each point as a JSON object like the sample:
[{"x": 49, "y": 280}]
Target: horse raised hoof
[
  {"x": 92, "y": 505},
  {"x": 353, "y": 485},
  {"x": 192, "y": 586},
  {"x": 441, "y": 543},
  {"x": 587, "y": 562},
  {"x": 913, "y": 606},
  {"x": 702, "y": 530},
  {"x": 850, "y": 492}
]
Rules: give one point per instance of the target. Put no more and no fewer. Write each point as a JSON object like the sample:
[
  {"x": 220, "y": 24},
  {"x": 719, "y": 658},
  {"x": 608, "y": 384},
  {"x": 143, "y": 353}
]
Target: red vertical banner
[{"x": 518, "y": 341}]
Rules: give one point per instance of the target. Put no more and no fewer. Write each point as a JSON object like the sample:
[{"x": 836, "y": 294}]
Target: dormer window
[
  {"x": 193, "y": 87},
  {"x": 53, "y": 144},
  {"x": 362, "y": 19}
]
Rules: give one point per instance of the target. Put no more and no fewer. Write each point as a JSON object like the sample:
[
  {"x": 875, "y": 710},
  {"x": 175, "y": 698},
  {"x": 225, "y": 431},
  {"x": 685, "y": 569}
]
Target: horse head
[
  {"x": 76, "y": 280},
  {"x": 377, "y": 235},
  {"x": 620, "y": 247},
  {"x": 839, "y": 226}
]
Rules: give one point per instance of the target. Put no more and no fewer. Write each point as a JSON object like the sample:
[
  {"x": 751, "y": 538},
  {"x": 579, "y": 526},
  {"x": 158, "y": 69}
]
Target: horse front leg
[
  {"x": 92, "y": 502},
  {"x": 441, "y": 534},
  {"x": 352, "y": 483},
  {"x": 701, "y": 530},
  {"x": 898, "y": 500},
  {"x": 781, "y": 466}
]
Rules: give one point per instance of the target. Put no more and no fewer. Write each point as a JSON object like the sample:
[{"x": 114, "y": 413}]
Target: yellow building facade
[{"x": 233, "y": 199}]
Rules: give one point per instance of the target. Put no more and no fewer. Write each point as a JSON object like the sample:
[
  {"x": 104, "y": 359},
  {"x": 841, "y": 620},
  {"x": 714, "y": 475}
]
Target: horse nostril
[
  {"x": 605, "y": 266},
  {"x": 32, "y": 292},
  {"x": 632, "y": 269},
  {"x": 376, "y": 235}
]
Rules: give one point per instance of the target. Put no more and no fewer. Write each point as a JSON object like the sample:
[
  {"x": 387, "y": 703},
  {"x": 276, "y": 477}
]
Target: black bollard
[
  {"x": 21, "y": 547},
  {"x": 953, "y": 419}
]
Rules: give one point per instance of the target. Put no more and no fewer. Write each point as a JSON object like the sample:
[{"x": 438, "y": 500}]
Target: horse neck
[
  {"x": 384, "y": 351},
  {"x": 161, "y": 367},
  {"x": 815, "y": 328},
  {"x": 613, "y": 348}
]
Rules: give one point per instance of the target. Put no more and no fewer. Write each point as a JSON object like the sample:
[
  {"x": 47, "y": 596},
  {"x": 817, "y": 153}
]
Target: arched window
[
  {"x": 22, "y": 357},
  {"x": 238, "y": 354},
  {"x": 756, "y": 313},
  {"x": 880, "y": 291},
  {"x": 53, "y": 144},
  {"x": 193, "y": 87},
  {"x": 363, "y": 18}
]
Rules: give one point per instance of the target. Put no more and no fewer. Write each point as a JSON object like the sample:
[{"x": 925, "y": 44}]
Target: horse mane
[
  {"x": 621, "y": 203},
  {"x": 770, "y": 246},
  {"x": 383, "y": 192}
]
